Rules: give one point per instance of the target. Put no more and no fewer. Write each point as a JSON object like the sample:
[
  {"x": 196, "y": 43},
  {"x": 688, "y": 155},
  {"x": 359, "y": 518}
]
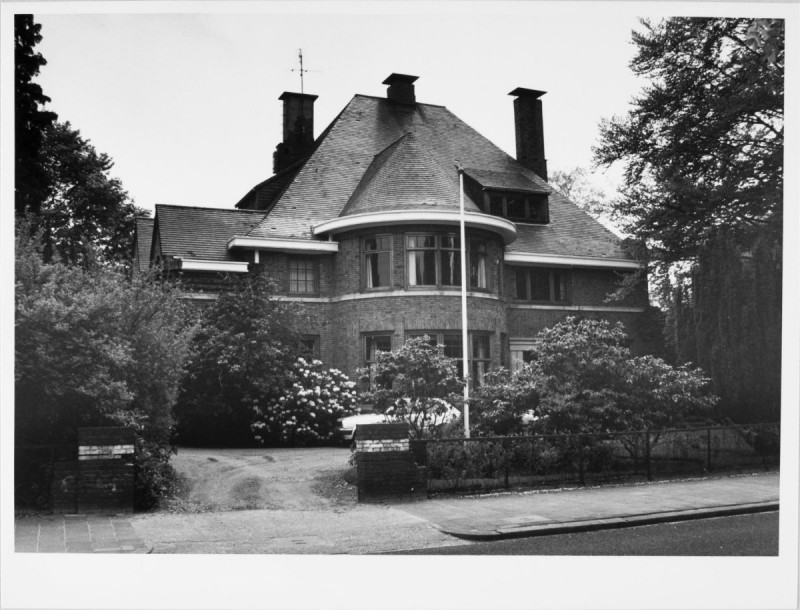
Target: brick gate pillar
[
  {"x": 101, "y": 479},
  {"x": 385, "y": 464}
]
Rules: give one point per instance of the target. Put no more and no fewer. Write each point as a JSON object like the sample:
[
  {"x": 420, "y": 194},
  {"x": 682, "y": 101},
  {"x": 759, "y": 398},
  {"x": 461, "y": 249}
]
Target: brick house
[{"x": 361, "y": 224}]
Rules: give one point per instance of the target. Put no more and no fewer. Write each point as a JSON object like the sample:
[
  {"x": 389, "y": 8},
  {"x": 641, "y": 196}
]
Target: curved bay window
[
  {"x": 435, "y": 261},
  {"x": 377, "y": 253},
  {"x": 477, "y": 264}
]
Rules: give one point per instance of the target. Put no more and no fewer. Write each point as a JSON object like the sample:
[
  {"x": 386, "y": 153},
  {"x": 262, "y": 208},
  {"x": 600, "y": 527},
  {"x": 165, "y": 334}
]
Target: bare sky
[{"x": 187, "y": 104}]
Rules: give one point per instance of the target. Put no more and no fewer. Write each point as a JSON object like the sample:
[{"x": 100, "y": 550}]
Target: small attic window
[{"x": 517, "y": 206}]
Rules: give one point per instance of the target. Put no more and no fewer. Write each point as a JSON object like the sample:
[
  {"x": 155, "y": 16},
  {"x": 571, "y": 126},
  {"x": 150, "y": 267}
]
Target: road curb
[{"x": 614, "y": 522}]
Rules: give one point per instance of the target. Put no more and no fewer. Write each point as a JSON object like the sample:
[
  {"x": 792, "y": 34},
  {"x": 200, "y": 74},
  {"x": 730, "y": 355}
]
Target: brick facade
[
  {"x": 342, "y": 312},
  {"x": 386, "y": 167}
]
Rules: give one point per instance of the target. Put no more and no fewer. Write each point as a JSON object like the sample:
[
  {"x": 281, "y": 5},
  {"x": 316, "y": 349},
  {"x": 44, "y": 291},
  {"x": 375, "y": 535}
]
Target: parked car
[{"x": 348, "y": 425}]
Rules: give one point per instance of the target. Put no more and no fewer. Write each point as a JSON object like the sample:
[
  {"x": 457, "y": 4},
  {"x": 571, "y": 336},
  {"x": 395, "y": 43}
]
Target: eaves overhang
[
  {"x": 282, "y": 244},
  {"x": 197, "y": 264},
  {"x": 523, "y": 258},
  {"x": 501, "y": 226}
]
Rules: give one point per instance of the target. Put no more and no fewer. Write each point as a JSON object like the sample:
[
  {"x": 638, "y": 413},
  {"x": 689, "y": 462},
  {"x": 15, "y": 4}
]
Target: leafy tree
[
  {"x": 30, "y": 120},
  {"x": 703, "y": 144},
  {"x": 583, "y": 379},
  {"x": 62, "y": 182},
  {"x": 575, "y": 185},
  {"x": 503, "y": 400},
  {"x": 417, "y": 384},
  {"x": 84, "y": 207},
  {"x": 309, "y": 409},
  {"x": 728, "y": 320},
  {"x": 243, "y": 354},
  {"x": 93, "y": 348},
  {"x": 702, "y": 148}
]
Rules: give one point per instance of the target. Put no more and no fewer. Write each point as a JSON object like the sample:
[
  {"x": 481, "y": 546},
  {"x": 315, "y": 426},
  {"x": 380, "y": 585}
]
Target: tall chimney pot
[
  {"x": 529, "y": 130},
  {"x": 401, "y": 88}
]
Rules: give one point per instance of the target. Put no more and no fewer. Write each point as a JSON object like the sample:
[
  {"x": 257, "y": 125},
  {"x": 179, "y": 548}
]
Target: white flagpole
[{"x": 464, "y": 333}]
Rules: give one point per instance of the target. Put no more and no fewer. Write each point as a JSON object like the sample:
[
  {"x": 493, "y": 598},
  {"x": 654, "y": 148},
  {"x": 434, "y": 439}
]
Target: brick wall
[
  {"x": 101, "y": 480},
  {"x": 399, "y": 315},
  {"x": 385, "y": 465}
]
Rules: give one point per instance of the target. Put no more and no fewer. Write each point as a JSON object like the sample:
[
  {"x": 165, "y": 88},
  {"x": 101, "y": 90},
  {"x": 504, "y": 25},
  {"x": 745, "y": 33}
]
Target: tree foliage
[
  {"x": 726, "y": 316},
  {"x": 702, "y": 145},
  {"x": 582, "y": 378},
  {"x": 85, "y": 208},
  {"x": 63, "y": 184},
  {"x": 702, "y": 148},
  {"x": 93, "y": 348},
  {"x": 575, "y": 185},
  {"x": 30, "y": 119},
  {"x": 242, "y": 356},
  {"x": 417, "y": 384}
]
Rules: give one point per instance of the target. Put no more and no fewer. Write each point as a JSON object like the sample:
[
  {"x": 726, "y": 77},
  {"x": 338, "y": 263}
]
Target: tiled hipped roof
[
  {"x": 375, "y": 156},
  {"x": 201, "y": 233},
  {"x": 378, "y": 155}
]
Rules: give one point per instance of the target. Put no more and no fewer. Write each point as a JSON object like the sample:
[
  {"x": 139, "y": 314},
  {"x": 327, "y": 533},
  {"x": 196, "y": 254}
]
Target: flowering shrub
[{"x": 308, "y": 411}]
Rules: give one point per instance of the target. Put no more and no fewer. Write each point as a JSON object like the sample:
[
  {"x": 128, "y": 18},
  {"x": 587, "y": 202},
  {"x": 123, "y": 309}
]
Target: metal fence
[{"x": 547, "y": 460}]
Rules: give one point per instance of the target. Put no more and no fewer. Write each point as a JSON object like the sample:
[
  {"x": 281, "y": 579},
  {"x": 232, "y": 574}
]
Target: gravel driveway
[
  {"x": 274, "y": 479},
  {"x": 293, "y": 501}
]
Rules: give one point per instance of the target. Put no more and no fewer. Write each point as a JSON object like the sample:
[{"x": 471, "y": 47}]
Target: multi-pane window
[
  {"x": 377, "y": 261},
  {"x": 421, "y": 252},
  {"x": 481, "y": 361},
  {"x": 309, "y": 347},
  {"x": 542, "y": 285},
  {"x": 452, "y": 346},
  {"x": 477, "y": 264},
  {"x": 302, "y": 275},
  {"x": 521, "y": 353},
  {"x": 372, "y": 345},
  {"x": 435, "y": 260},
  {"x": 521, "y": 207}
]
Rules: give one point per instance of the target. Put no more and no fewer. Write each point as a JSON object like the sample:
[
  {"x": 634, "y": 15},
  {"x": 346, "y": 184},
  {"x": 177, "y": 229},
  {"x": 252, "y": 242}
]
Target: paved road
[{"x": 743, "y": 535}]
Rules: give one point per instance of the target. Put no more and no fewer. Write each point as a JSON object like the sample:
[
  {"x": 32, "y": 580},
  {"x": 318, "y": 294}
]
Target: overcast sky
[{"x": 187, "y": 104}]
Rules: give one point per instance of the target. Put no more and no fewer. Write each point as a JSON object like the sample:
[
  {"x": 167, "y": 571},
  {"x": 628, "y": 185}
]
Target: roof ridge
[
  {"x": 208, "y": 208},
  {"x": 383, "y": 99}
]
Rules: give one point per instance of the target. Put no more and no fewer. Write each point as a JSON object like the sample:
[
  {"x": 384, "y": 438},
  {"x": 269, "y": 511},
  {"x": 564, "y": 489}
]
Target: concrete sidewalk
[
  {"x": 77, "y": 534},
  {"x": 510, "y": 515},
  {"x": 380, "y": 528}
]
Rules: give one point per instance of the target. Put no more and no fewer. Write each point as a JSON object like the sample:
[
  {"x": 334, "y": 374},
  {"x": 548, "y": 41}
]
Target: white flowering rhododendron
[{"x": 308, "y": 411}]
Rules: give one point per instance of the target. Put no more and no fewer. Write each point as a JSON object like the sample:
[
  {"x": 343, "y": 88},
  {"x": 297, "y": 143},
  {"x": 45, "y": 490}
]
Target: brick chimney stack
[
  {"x": 298, "y": 129},
  {"x": 401, "y": 88},
  {"x": 529, "y": 130}
]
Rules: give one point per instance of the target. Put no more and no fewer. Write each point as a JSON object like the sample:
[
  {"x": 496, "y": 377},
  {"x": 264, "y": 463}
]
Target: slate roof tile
[
  {"x": 378, "y": 155},
  {"x": 203, "y": 233}
]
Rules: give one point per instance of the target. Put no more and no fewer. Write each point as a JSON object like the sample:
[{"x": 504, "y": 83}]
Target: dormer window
[{"x": 517, "y": 206}]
